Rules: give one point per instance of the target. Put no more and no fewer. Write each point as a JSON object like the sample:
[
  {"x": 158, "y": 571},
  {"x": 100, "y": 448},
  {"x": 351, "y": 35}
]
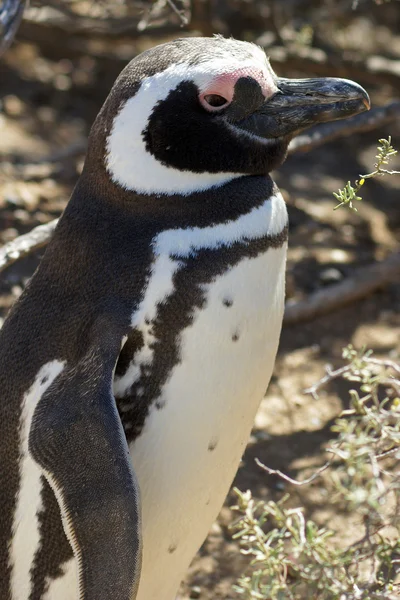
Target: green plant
[
  {"x": 349, "y": 194},
  {"x": 294, "y": 558}
]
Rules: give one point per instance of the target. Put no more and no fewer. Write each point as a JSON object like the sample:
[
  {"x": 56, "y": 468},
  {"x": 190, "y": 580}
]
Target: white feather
[
  {"x": 26, "y": 535},
  {"x": 63, "y": 587}
]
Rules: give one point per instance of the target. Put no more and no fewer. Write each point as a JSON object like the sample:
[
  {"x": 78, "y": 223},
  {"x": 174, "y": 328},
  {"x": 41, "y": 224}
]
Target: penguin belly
[
  {"x": 189, "y": 450},
  {"x": 195, "y": 433}
]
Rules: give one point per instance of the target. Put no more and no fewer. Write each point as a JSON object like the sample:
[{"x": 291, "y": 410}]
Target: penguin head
[{"x": 197, "y": 112}]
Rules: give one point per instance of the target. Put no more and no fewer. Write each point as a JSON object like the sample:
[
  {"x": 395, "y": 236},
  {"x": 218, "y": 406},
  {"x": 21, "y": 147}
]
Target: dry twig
[
  {"x": 281, "y": 475},
  {"x": 374, "y": 70},
  {"x": 364, "y": 282},
  {"x": 26, "y": 244},
  {"x": 59, "y": 15}
]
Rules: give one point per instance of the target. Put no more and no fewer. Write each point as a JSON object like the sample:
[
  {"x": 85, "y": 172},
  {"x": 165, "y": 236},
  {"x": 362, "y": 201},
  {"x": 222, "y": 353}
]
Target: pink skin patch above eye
[{"x": 224, "y": 85}]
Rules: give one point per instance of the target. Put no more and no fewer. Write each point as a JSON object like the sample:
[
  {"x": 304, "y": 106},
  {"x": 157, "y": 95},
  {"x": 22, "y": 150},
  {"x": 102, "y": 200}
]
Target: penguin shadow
[
  {"x": 278, "y": 454},
  {"x": 298, "y": 455},
  {"x": 300, "y": 451}
]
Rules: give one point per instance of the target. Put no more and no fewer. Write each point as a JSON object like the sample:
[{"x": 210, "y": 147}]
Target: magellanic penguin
[{"x": 133, "y": 364}]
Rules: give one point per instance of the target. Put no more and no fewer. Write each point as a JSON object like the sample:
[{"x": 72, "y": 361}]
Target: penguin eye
[{"x": 215, "y": 100}]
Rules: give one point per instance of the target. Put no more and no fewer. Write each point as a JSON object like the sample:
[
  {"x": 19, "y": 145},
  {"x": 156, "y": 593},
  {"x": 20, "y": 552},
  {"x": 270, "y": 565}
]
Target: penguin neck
[{"x": 100, "y": 200}]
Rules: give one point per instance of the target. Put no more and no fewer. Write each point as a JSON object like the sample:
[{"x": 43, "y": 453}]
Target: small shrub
[
  {"x": 291, "y": 556},
  {"x": 349, "y": 194}
]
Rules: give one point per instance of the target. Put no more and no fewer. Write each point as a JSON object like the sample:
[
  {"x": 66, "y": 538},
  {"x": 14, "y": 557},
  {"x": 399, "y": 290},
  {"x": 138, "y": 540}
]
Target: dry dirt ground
[{"x": 47, "y": 106}]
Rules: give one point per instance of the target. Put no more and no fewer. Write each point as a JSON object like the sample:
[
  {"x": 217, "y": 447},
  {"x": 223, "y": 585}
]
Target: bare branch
[
  {"x": 375, "y": 69},
  {"x": 55, "y": 14},
  {"x": 364, "y": 282},
  {"x": 61, "y": 17},
  {"x": 74, "y": 149},
  {"x": 26, "y": 244},
  {"x": 328, "y": 132},
  {"x": 383, "y": 362},
  {"x": 41, "y": 167},
  {"x": 330, "y": 376},
  {"x": 386, "y": 172},
  {"x": 315, "y": 475},
  {"x": 114, "y": 46},
  {"x": 387, "y": 453},
  {"x": 184, "y": 19}
]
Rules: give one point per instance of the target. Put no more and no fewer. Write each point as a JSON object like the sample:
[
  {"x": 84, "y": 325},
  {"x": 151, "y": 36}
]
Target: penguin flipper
[{"x": 77, "y": 440}]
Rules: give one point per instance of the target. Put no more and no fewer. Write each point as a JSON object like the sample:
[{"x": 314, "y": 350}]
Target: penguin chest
[{"x": 195, "y": 432}]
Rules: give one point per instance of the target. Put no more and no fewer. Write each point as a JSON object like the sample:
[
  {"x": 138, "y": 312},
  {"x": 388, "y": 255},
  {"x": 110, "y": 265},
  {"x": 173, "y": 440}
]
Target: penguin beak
[{"x": 299, "y": 103}]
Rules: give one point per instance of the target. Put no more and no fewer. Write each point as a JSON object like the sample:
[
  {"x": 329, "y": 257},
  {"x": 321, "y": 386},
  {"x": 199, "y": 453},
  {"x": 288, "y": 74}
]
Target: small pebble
[
  {"x": 13, "y": 200},
  {"x": 330, "y": 275},
  {"x": 262, "y": 436},
  {"x": 22, "y": 215},
  {"x": 62, "y": 82},
  {"x": 195, "y": 592},
  {"x": 13, "y": 278},
  {"x": 16, "y": 290},
  {"x": 9, "y": 234},
  {"x": 13, "y": 106}
]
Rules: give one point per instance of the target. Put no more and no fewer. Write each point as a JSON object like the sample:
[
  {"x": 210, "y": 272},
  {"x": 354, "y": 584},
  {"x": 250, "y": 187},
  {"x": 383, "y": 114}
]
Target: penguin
[{"x": 133, "y": 364}]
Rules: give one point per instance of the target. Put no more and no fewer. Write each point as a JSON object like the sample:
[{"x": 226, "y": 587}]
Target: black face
[
  {"x": 251, "y": 134},
  {"x": 245, "y": 130},
  {"x": 183, "y": 135}
]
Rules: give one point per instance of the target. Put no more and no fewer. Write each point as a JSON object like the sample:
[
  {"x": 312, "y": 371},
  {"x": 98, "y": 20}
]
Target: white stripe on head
[{"x": 129, "y": 163}]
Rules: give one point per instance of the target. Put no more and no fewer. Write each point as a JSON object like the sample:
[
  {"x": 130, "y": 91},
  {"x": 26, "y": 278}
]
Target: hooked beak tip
[{"x": 366, "y": 102}]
